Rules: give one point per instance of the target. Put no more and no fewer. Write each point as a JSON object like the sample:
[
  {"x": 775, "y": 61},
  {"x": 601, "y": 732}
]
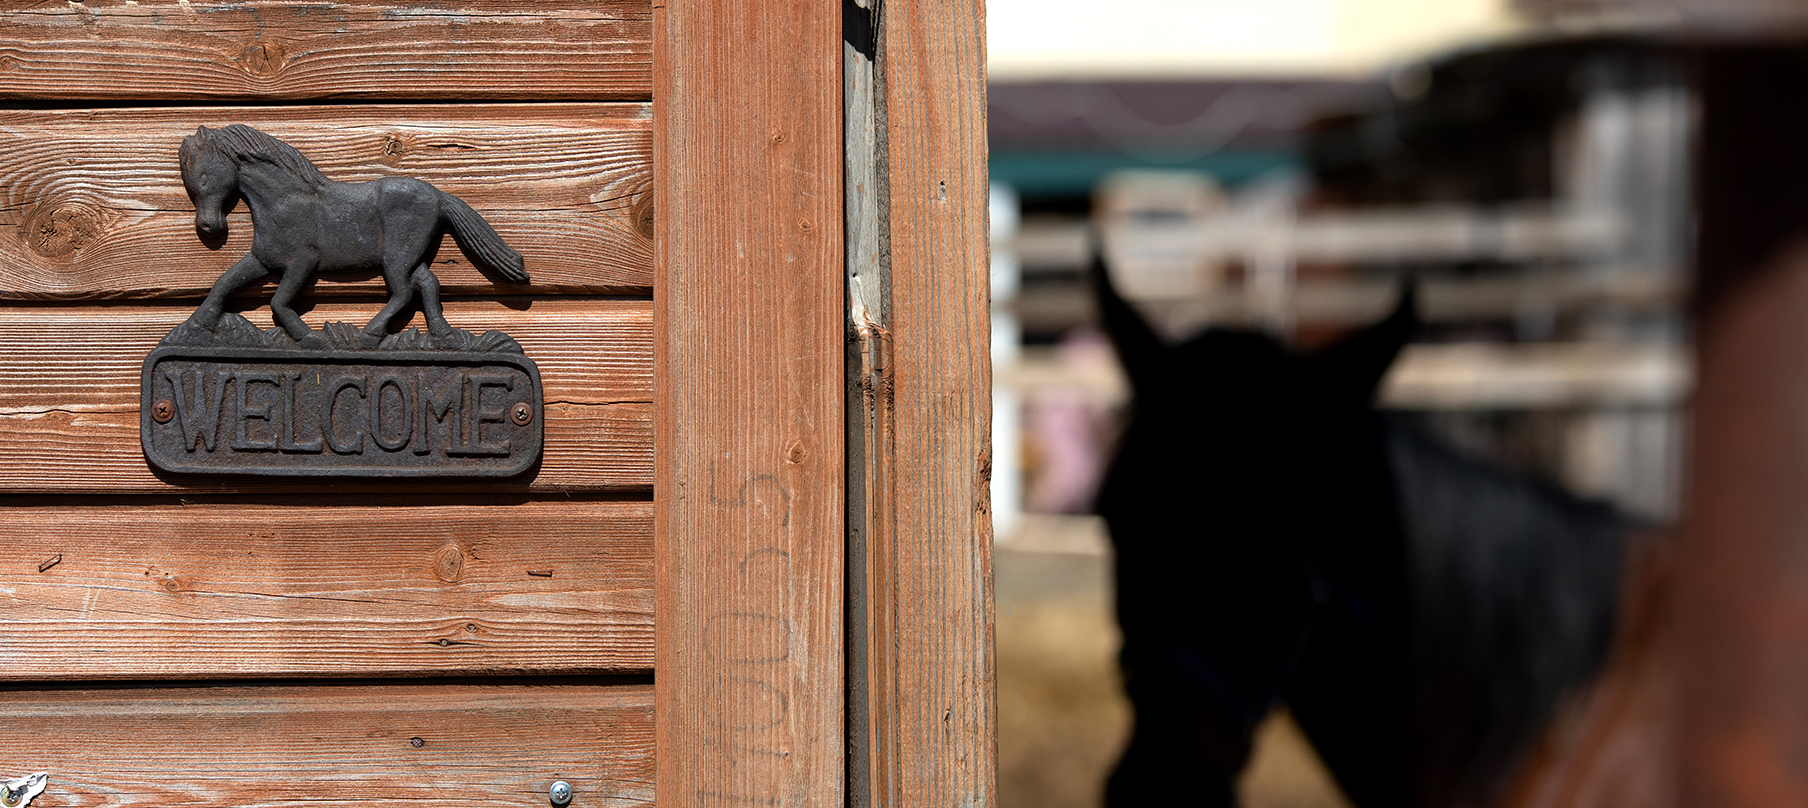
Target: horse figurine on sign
[{"x": 304, "y": 223}]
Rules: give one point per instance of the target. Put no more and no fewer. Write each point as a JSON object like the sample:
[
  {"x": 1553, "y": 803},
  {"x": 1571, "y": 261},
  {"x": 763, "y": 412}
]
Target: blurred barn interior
[{"x": 1535, "y": 185}]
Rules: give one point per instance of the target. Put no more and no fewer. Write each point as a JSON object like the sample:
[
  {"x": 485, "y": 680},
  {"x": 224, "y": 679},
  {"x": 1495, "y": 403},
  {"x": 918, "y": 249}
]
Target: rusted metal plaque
[
  {"x": 389, "y": 413},
  {"x": 222, "y": 396}
]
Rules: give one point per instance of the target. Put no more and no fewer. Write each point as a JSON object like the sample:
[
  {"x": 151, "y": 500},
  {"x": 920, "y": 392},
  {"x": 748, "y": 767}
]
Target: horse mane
[
  {"x": 242, "y": 143},
  {"x": 1513, "y": 584}
]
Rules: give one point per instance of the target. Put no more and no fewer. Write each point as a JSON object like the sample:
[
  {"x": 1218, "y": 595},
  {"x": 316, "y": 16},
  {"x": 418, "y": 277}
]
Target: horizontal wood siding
[
  {"x": 430, "y": 586},
  {"x": 257, "y": 630},
  {"x": 69, "y": 396},
  {"x": 295, "y": 747},
  {"x": 92, "y": 204},
  {"x": 268, "y": 49}
]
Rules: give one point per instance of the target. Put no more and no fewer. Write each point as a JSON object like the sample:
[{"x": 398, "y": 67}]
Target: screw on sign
[{"x": 20, "y": 791}]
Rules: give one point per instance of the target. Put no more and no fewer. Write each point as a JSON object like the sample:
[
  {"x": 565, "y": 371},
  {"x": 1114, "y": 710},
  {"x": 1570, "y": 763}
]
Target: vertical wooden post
[
  {"x": 748, "y": 441},
  {"x": 1743, "y": 739},
  {"x": 922, "y": 543}
]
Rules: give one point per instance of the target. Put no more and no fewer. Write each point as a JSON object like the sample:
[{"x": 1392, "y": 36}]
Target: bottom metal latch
[{"x": 20, "y": 791}]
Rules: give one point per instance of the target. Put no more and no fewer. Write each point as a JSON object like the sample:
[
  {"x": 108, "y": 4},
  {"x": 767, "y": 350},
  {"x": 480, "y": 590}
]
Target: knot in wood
[
  {"x": 58, "y": 231},
  {"x": 449, "y": 564},
  {"x": 640, "y": 215},
  {"x": 264, "y": 59}
]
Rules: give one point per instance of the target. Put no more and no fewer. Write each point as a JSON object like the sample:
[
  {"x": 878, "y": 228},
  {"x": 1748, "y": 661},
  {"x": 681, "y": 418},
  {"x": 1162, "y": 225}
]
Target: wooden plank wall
[
  {"x": 154, "y": 628},
  {"x": 361, "y": 587},
  {"x": 159, "y": 50},
  {"x": 69, "y": 395},
  {"x": 748, "y": 429},
  {"x": 87, "y": 214},
  {"x": 345, "y": 744}
]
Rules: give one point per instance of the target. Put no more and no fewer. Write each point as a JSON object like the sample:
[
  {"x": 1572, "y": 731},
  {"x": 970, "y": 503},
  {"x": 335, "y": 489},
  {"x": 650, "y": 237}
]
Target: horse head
[
  {"x": 1227, "y": 492},
  {"x": 1236, "y": 422},
  {"x": 211, "y": 178},
  {"x": 1421, "y": 612}
]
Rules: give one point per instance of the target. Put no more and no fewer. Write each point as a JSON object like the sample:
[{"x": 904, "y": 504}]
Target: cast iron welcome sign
[{"x": 222, "y": 396}]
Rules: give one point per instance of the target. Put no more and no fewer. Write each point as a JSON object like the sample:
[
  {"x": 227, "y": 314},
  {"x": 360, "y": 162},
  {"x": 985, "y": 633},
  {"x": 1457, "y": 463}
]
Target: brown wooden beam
[
  {"x": 923, "y": 674},
  {"x": 748, "y": 469},
  {"x": 1743, "y": 739}
]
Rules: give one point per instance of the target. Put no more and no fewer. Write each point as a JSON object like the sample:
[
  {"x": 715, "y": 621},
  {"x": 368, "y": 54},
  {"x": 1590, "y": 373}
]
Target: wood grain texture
[
  {"x": 748, "y": 378},
  {"x": 70, "y": 374},
  {"x": 929, "y": 576},
  {"x": 88, "y": 211},
  {"x": 422, "y": 587},
  {"x": 293, "y": 747},
  {"x": 267, "y": 49}
]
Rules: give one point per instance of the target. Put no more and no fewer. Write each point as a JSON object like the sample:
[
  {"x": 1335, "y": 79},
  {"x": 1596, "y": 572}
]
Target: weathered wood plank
[
  {"x": 748, "y": 335},
  {"x": 69, "y": 395},
  {"x": 86, "y": 213},
  {"x": 934, "y": 714},
  {"x": 295, "y": 747},
  {"x": 268, "y": 49},
  {"x": 428, "y": 586}
]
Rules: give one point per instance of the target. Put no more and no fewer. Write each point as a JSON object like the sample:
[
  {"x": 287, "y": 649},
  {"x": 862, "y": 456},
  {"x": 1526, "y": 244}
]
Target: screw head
[
  {"x": 523, "y": 414},
  {"x": 560, "y": 793},
  {"x": 163, "y": 410},
  {"x": 11, "y": 798}
]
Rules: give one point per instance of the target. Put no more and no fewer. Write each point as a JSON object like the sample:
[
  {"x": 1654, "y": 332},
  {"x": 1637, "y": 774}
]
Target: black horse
[
  {"x": 304, "y": 223},
  {"x": 1279, "y": 541}
]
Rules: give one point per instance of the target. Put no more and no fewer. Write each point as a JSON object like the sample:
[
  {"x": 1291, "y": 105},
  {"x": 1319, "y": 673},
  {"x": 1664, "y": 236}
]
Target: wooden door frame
[{"x": 764, "y": 661}]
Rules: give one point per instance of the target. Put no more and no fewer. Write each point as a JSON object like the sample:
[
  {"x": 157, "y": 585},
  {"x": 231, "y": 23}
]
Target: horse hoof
[{"x": 204, "y": 323}]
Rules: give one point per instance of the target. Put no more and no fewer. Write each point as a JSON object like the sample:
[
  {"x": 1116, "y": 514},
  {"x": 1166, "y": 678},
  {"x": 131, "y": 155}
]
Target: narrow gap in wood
[
  {"x": 349, "y": 500},
  {"x": 310, "y": 298},
  {"x": 597, "y": 680},
  {"x": 866, "y": 200},
  {"x": 48, "y": 105}
]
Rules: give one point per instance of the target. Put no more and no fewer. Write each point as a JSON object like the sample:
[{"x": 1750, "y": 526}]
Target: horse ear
[
  {"x": 1351, "y": 370},
  {"x": 1142, "y": 353}
]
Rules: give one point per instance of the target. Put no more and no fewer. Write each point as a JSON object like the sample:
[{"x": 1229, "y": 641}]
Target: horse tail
[{"x": 479, "y": 240}]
